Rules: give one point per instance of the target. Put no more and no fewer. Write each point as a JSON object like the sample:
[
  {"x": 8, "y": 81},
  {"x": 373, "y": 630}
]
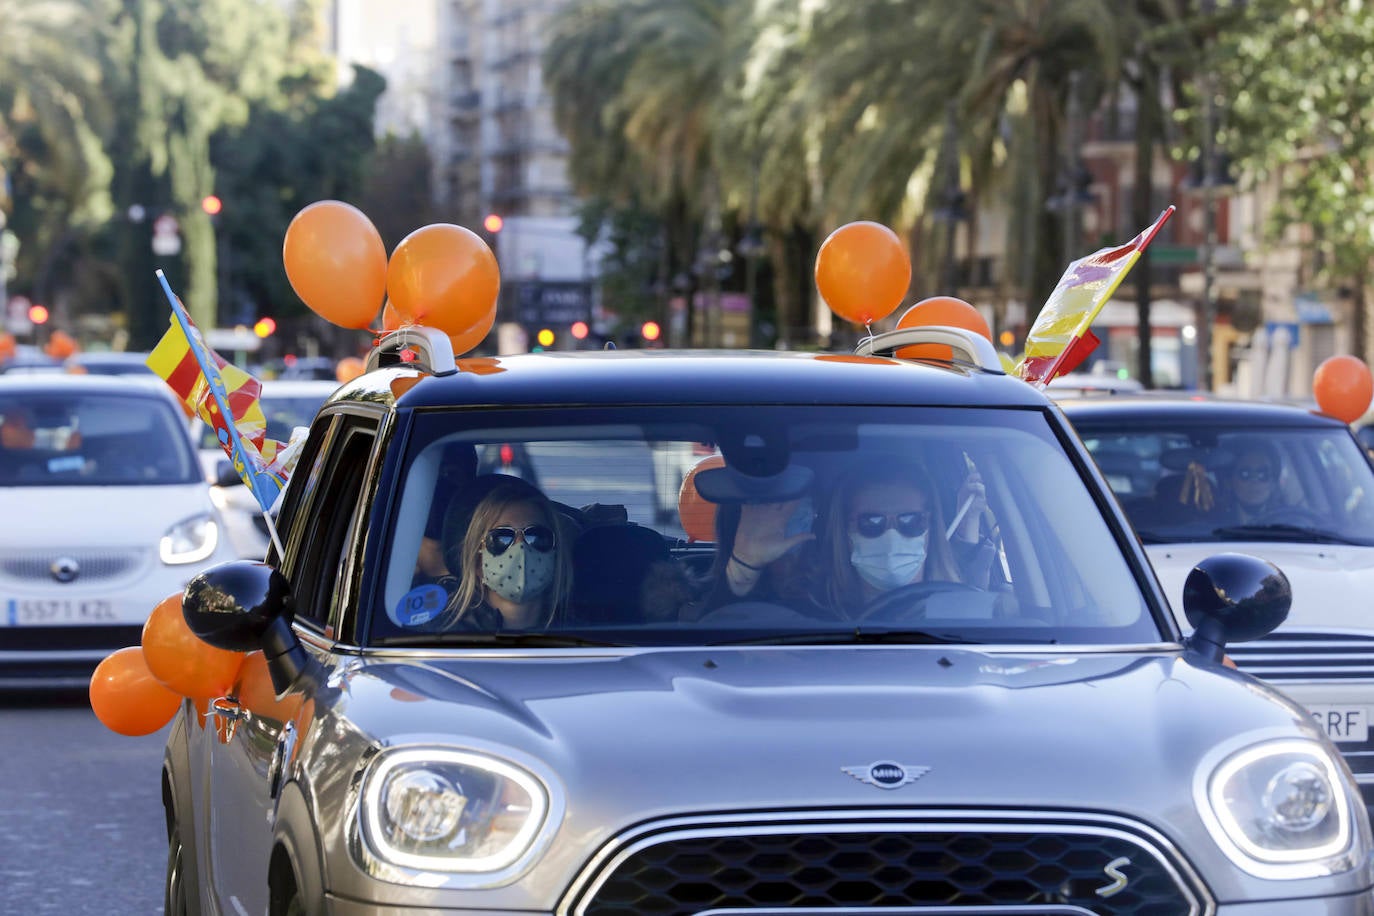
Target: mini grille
[
  {"x": 1298, "y": 656},
  {"x": 981, "y": 868},
  {"x": 93, "y": 566}
]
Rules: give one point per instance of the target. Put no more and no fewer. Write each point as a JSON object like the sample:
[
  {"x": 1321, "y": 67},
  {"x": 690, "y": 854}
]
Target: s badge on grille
[
  {"x": 65, "y": 569},
  {"x": 885, "y": 774}
]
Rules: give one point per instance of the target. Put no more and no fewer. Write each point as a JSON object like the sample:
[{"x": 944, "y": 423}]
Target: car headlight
[
  {"x": 1281, "y": 810},
  {"x": 189, "y": 540},
  {"x": 445, "y": 810}
]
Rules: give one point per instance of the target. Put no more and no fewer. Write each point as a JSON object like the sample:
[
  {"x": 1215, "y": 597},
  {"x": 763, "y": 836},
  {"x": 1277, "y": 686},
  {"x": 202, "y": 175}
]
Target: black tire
[{"x": 175, "y": 899}]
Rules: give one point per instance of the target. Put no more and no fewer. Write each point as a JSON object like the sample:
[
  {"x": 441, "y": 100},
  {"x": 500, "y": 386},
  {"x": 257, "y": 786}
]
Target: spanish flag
[
  {"x": 1060, "y": 339},
  {"x": 225, "y": 397}
]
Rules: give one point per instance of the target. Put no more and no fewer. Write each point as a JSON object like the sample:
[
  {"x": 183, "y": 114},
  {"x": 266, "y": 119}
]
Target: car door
[{"x": 253, "y": 743}]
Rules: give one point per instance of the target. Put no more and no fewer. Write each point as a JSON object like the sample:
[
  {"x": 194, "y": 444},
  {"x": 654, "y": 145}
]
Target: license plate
[
  {"x": 1346, "y": 724},
  {"x": 38, "y": 612}
]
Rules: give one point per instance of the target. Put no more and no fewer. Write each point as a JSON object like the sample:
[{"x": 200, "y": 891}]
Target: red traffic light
[
  {"x": 579, "y": 330},
  {"x": 38, "y": 314},
  {"x": 650, "y": 330},
  {"x": 264, "y": 327},
  {"x": 493, "y": 222},
  {"x": 211, "y": 204}
]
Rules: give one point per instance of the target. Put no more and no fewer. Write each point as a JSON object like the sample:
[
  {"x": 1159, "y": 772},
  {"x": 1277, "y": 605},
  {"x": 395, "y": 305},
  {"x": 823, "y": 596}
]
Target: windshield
[
  {"x": 734, "y": 525},
  {"x": 51, "y": 439},
  {"x": 1184, "y": 483}
]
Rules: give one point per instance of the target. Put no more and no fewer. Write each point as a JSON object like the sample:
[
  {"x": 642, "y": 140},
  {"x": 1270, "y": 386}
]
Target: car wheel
[{"x": 174, "y": 901}]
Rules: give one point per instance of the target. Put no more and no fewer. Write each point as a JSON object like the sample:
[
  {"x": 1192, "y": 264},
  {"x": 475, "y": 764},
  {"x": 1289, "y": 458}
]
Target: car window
[
  {"x": 92, "y": 439},
  {"x": 1186, "y": 483},
  {"x": 1039, "y": 562}
]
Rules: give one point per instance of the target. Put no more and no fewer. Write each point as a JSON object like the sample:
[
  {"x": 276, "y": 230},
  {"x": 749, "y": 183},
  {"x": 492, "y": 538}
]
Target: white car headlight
[
  {"x": 189, "y": 540},
  {"x": 1281, "y": 810},
  {"x": 445, "y": 810}
]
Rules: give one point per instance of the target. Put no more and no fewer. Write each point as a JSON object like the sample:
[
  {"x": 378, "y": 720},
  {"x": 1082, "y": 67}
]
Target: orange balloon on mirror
[
  {"x": 336, "y": 262},
  {"x": 948, "y": 311},
  {"x": 125, "y": 696},
  {"x": 474, "y": 335},
  {"x": 443, "y": 276},
  {"x": 349, "y": 368},
  {"x": 1343, "y": 387},
  {"x": 698, "y": 516},
  {"x": 255, "y": 691},
  {"x": 863, "y": 271},
  {"x": 181, "y": 660}
]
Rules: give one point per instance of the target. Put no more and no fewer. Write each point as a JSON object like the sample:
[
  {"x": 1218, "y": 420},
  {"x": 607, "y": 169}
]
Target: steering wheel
[
  {"x": 1289, "y": 515},
  {"x": 893, "y": 606}
]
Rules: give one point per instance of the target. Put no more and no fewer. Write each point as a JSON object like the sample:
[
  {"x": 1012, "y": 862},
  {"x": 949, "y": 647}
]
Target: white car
[
  {"x": 1181, "y": 467},
  {"x": 287, "y": 404},
  {"x": 105, "y": 513}
]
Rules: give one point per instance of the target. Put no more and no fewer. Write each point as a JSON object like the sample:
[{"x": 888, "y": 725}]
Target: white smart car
[{"x": 105, "y": 513}]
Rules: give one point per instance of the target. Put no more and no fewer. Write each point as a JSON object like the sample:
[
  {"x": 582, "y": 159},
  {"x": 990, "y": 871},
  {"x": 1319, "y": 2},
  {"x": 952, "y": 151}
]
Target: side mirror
[
  {"x": 225, "y": 475},
  {"x": 1233, "y": 597},
  {"x": 241, "y": 606}
]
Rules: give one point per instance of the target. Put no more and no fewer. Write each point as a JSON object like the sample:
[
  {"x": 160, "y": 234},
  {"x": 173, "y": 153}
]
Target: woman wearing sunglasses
[
  {"x": 1252, "y": 484},
  {"x": 516, "y": 571}
]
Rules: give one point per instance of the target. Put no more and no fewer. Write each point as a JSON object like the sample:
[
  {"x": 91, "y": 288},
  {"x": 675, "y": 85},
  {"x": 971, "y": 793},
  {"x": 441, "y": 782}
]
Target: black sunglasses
[
  {"x": 538, "y": 537},
  {"x": 1260, "y": 474},
  {"x": 908, "y": 524}
]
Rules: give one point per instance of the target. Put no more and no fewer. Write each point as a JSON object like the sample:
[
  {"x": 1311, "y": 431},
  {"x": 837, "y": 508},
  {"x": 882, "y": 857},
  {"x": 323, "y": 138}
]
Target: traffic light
[
  {"x": 38, "y": 314},
  {"x": 650, "y": 330},
  {"x": 264, "y": 327},
  {"x": 493, "y": 223},
  {"x": 211, "y": 204},
  {"x": 579, "y": 330},
  {"x": 545, "y": 337}
]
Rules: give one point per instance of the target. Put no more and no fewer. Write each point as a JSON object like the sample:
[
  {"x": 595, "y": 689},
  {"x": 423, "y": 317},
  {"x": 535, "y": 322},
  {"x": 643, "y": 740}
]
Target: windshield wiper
[
  {"x": 518, "y": 640},
  {"x": 1281, "y": 532},
  {"x": 847, "y": 637}
]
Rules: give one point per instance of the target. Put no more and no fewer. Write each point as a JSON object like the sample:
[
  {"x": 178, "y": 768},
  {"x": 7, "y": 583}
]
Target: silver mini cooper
[{"x": 898, "y": 652}]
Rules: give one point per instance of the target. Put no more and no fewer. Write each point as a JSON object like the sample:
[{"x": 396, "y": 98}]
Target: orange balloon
[
  {"x": 60, "y": 345},
  {"x": 181, "y": 660},
  {"x": 697, "y": 515},
  {"x": 255, "y": 691},
  {"x": 1343, "y": 387},
  {"x": 349, "y": 368},
  {"x": 336, "y": 262},
  {"x": 7, "y": 346},
  {"x": 391, "y": 319},
  {"x": 125, "y": 696},
  {"x": 443, "y": 276},
  {"x": 863, "y": 271},
  {"x": 474, "y": 335},
  {"x": 941, "y": 310}
]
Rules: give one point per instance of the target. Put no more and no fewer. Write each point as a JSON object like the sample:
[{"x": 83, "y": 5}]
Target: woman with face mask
[{"x": 515, "y": 568}]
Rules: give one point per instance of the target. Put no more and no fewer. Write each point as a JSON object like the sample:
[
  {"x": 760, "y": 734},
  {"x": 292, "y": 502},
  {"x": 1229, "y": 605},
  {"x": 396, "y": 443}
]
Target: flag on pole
[
  {"x": 225, "y": 397},
  {"x": 1060, "y": 339}
]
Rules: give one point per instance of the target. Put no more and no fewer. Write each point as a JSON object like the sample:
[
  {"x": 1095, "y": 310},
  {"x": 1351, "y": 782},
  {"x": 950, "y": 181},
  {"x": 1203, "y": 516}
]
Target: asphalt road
[{"x": 81, "y": 827}]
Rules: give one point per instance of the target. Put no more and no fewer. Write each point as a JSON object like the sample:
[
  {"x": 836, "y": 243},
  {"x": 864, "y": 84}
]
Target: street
[{"x": 81, "y": 829}]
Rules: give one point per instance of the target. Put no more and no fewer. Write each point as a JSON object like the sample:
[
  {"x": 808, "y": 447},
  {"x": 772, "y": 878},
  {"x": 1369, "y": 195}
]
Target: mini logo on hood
[{"x": 885, "y": 774}]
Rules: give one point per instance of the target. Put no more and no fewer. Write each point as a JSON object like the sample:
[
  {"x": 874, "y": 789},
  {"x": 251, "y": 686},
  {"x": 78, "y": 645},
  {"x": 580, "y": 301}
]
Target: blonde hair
[
  {"x": 471, "y": 590},
  {"x": 844, "y": 588}
]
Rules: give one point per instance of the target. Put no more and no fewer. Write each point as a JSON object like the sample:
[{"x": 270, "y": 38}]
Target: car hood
[
  {"x": 1324, "y": 578},
  {"x": 97, "y": 516},
  {"x": 662, "y": 732}
]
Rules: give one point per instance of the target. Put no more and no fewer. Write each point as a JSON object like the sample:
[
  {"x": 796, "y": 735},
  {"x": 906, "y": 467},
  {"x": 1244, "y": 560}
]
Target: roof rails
[
  {"x": 432, "y": 348},
  {"x": 968, "y": 346}
]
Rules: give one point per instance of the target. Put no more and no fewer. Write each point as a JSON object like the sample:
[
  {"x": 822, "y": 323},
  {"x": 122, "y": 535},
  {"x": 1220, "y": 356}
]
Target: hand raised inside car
[{"x": 761, "y": 536}]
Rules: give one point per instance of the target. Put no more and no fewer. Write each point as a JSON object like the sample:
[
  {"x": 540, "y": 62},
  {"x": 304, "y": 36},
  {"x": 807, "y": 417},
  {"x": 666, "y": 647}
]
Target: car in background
[
  {"x": 108, "y": 362},
  {"x": 310, "y": 368},
  {"x": 287, "y": 405},
  {"x": 1047, "y": 744},
  {"x": 28, "y": 359},
  {"x": 1169, "y": 460},
  {"x": 1082, "y": 384},
  {"x": 104, "y": 512}
]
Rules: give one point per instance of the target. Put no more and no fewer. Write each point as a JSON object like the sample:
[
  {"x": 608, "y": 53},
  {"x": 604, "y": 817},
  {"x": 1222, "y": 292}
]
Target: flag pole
[{"x": 216, "y": 382}]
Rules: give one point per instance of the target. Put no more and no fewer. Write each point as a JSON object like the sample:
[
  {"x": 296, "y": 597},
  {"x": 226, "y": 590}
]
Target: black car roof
[
  {"x": 1183, "y": 409},
  {"x": 694, "y": 377}
]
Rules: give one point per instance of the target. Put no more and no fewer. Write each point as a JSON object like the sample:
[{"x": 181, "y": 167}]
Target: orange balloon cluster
[
  {"x": 1343, "y": 387},
  {"x": 60, "y": 345},
  {"x": 441, "y": 275},
  {"x": 947, "y": 311},
  {"x": 698, "y": 516},
  {"x": 863, "y": 271},
  {"x": 136, "y": 690}
]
